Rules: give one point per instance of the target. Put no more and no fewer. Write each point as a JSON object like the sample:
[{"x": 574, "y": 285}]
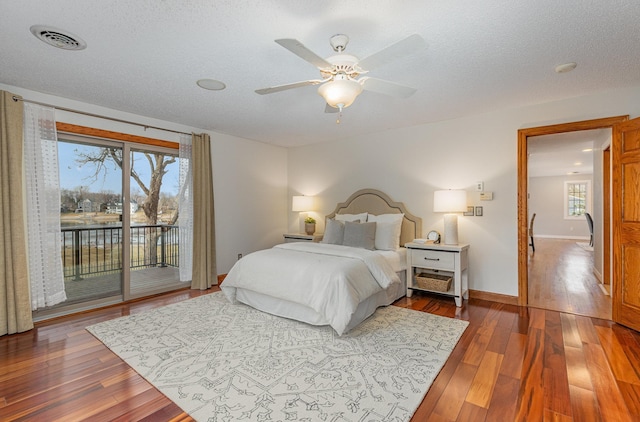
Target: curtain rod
[{"x": 16, "y": 99}]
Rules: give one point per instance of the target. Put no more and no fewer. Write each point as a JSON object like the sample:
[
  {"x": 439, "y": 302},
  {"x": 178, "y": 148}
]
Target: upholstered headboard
[{"x": 377, "y": 202}]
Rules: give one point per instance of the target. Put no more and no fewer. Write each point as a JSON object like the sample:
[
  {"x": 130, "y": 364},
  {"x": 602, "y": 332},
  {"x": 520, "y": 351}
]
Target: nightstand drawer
[{"x": 432, "y": 259}]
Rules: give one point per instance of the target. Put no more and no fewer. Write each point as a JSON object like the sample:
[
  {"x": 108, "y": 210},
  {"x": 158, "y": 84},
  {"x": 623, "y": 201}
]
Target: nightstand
[
  {"x": 288, "y": 238},
  {"x": 432, "y": 258}
]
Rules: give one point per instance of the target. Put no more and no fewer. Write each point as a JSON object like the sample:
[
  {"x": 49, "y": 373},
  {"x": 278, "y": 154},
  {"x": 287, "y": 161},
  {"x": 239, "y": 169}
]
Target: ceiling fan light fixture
[{"x": 340, "y": 93}]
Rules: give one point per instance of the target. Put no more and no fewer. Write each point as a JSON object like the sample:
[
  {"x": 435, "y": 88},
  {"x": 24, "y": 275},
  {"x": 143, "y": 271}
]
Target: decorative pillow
[
  {"x": 352, "y": 217},
  {"x": 333, "y": 232},
  {"x": 359, "y": 235},
  {"x": 388, "y": 230}
]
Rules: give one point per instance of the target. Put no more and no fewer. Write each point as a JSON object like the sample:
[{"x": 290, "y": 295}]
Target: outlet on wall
[
  {"x": 479, "y": 186},
  {"x": 239, "y": 255}
]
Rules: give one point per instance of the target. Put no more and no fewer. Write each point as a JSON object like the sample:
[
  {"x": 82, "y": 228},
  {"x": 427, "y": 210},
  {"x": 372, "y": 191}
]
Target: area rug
[
  {"x": 585, "y": 246},
  {"x": 224, "y": 362}
]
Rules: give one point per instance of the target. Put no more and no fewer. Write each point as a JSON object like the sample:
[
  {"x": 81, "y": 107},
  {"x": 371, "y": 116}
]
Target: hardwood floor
[
  {"x": 561, "y": 279},
  {"x": 511, "y": 363}
]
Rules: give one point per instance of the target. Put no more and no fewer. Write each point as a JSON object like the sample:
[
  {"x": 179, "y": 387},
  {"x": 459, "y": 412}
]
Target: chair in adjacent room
[
  {"x": 533, "y": 246},
  {"x": 590, "y": 223}
]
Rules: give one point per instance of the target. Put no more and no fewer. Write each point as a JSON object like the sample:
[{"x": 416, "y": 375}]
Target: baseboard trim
[
  {"x": 597, "y": 274},
  {"x": 493, "y": 297}
]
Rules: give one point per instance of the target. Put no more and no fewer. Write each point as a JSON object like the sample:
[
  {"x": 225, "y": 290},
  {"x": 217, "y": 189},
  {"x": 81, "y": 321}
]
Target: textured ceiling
[{"x": 145, "y": 56}]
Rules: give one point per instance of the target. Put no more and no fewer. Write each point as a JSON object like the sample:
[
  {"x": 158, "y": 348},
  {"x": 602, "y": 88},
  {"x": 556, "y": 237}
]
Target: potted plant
[{"x": 309, "y": 225}]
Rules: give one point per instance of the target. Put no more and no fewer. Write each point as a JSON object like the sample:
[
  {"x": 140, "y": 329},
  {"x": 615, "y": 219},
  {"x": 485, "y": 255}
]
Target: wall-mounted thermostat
[{"x": 486, "y": 196}]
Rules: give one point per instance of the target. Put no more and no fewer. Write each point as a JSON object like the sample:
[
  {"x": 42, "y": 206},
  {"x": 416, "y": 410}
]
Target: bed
[{"x": 332, "y": 283}]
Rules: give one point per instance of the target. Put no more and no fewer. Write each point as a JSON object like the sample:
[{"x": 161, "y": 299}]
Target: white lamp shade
[
  {"x": 341, "y": 91},
  {"x": 450, "y": 201},
  {"x": 302, "y": 203}
]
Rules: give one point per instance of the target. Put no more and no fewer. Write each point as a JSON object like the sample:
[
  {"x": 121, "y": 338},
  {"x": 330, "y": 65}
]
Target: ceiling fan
[{"x": 342, "y": 79}]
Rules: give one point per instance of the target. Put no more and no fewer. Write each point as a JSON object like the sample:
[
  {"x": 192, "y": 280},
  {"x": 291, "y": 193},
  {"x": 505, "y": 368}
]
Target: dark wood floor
[{"x": 511, "y": 363}]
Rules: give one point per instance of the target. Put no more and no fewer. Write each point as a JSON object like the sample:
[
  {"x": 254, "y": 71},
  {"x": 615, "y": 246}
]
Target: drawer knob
[{"x": 432, "y": 259}]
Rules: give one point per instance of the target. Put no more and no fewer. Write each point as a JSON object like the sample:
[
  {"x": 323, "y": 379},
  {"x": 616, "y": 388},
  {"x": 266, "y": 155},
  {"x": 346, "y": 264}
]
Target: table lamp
[
  {"x": 302, "y": 204},
  {"x": 450, "y": 202}
]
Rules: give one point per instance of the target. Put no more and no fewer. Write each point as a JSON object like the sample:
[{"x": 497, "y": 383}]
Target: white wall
[
  {"x": 546, "y": 199},
  {"x": 410, "y": 163},
  {"x": 249, "y": 178}
]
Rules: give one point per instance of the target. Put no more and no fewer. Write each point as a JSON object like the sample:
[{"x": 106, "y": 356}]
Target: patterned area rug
[{"x": 224, "y": 362}]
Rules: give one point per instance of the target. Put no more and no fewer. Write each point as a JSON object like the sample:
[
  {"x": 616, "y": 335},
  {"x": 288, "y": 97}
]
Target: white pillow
[
  {"x": 388, "y": 230},
  {"x": 352, "y": 217}
]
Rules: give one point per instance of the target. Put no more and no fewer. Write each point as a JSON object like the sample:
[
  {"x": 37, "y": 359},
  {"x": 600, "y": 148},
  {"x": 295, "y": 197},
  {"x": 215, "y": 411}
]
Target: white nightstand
[
  {"x": 439, "y": 259},
  {"x": 288, "y": 238}
]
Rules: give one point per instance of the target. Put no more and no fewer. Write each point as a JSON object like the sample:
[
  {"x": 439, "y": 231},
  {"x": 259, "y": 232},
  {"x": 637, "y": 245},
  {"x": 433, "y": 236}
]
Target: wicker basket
[{"x": 436, "y": 282}]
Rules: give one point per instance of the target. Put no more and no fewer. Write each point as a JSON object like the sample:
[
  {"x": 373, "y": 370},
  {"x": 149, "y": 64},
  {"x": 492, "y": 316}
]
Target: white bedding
[
  {"x": 397, "y": 259},
  {"x": 327, "y": 283}
]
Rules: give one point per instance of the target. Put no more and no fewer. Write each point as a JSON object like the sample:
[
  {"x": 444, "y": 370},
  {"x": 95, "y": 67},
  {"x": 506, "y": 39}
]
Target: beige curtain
[
  {"x": 204, "y": 233},
  {"x": 15, "y": 304}
]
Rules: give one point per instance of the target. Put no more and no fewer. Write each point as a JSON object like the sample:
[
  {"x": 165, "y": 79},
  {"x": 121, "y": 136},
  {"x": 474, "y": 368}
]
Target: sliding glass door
[
  {"x": 153, "y": 193},
  {"x": 90, "y": 220},
  {"x": 118, "y": 213}
]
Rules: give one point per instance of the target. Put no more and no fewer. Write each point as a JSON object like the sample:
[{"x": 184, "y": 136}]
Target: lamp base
[{"x": 450, "y": 229}]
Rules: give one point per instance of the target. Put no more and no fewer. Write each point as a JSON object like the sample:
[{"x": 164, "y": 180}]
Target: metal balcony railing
[{"x": 88, "y": 251}]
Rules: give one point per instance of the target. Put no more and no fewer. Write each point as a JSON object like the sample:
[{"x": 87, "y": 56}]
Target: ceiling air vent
[{"x": 58, "y": 38}]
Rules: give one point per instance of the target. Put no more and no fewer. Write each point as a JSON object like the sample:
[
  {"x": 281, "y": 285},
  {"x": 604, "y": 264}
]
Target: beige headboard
[{"x": 377, "y": 202}]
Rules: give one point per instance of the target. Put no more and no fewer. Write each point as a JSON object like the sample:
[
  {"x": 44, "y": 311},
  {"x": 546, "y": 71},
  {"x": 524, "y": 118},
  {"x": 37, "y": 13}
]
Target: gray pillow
[
  {"x": 360, "y": 235},
  {"x": 333, "y": 232}
]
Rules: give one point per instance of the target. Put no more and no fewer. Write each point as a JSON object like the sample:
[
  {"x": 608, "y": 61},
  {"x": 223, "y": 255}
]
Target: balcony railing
[{"x": 88, "y": 251}]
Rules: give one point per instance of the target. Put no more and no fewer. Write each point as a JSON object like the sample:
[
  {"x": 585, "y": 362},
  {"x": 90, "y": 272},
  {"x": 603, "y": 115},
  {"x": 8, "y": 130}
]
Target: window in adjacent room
[{"x": 576, "y": 198}]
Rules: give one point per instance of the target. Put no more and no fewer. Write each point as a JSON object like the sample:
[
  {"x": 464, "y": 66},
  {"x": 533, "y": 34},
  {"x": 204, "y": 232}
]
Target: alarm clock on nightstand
[{"x": 433, "y": 237}]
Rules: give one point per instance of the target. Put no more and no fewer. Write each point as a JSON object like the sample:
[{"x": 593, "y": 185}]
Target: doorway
[
  {"x": 564, "y": 188},
  {"x": 523, "y": 214}
]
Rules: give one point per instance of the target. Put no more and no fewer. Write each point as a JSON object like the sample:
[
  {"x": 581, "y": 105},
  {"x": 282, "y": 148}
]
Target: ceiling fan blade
[
  {"x": 297, "y": 48},
  {"x": 385, "y": 87},
  {"x": 279, "y": 88},
  {"x": 395, "y": 51}
]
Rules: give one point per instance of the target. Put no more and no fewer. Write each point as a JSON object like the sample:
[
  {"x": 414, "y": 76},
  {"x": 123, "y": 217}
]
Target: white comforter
[{"x": 330, "y": 279}]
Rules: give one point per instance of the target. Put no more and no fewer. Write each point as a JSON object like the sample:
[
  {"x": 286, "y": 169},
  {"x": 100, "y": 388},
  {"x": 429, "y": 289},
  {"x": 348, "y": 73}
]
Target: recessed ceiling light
[
  {"x": 58, "y": 38},
  {"x": 587, "y": 150},
  {"x": 567, "y": 67},
  {"x": 211, "y": 84},
  {"x": 577, "y": 163},
  {"x": 573, "y": 172}
]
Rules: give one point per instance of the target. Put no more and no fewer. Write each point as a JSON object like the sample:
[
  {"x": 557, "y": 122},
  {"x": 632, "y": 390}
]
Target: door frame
[
  {"x": 606, "y": 215},
  {"x": 523, "y": 217}
]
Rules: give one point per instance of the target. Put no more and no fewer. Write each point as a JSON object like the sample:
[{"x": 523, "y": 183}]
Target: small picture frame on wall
[
  {"x": 478, "y": 211},
  {"x": 468, "y": 212}
]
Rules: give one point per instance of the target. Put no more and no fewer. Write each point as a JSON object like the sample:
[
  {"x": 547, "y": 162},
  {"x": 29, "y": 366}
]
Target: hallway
[{"x": 561, "y": 279}]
